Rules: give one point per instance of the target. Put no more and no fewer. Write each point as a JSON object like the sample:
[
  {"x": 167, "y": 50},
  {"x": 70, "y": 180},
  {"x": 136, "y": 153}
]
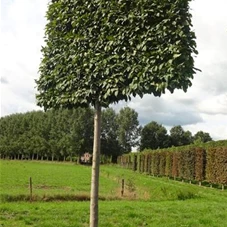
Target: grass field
[{"x": 147, "y": 201}]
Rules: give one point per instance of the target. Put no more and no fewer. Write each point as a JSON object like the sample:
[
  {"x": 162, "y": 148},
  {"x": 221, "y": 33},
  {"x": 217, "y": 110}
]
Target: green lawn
[{"x": 148, "y": 201}]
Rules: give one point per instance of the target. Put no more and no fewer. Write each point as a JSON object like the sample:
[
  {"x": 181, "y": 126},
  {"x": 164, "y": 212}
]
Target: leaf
[{"x": 176, "y": 56}]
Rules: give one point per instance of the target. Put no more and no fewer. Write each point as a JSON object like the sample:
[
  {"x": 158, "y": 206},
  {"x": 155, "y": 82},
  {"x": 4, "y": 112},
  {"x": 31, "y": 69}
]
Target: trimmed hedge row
[{"x": 207, "y": 162}]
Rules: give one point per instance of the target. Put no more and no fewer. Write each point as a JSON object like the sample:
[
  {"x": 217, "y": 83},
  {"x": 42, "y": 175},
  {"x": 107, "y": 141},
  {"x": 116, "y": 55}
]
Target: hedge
[{"x": 206, "y": 162}]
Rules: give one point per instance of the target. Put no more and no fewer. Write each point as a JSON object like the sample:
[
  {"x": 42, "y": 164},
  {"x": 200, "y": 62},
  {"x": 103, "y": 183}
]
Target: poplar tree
[{"x": 99, "y": 52}]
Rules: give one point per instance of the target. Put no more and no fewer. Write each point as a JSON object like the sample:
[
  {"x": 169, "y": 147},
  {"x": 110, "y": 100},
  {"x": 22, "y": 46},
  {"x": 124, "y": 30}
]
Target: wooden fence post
[
  {"x": 30, "y": 186},
  {"x": 122, "y": 187}
]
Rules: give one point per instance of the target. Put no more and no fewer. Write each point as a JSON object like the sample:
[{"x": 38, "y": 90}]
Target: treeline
[
  {"x": 206, "y": 163},
  {"x": 154, "y": 136},
  {"x": 66, "y": 134}
]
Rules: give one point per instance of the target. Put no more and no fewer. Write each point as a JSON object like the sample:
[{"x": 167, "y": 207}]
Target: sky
[{"x": 203, "y": 107}]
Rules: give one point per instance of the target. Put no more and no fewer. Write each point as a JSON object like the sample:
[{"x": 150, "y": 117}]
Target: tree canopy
[
  {"x": 55, "y": 135},
  {"x": 106, "y": 51},
  {"x": 154, "y": 136},
  {"x": 179, "y": 137},
  {"x": 202, "y": 137},
  {"x": 128, "y": 129}
]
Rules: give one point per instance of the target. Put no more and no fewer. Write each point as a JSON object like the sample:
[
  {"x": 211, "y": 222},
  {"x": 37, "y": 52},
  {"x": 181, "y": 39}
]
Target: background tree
[
  {"x": 202, "y": 137},
  {"x": 84, "y": 128},
  {"x": 188, "y": 138},
  {"x": 54, "y": 135},
  {"x": 179, "y": 137},
  {"x": 110, "y": 144},
  {"x": 60, "y": 134},
  {"x": 100, "y": 52},
  {"x": 154, "y": 136},
  {"x": 128, "y": 129}
]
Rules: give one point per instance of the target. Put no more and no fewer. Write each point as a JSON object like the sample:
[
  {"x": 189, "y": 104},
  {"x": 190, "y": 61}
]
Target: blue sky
[{"x": 203, "y": 107}]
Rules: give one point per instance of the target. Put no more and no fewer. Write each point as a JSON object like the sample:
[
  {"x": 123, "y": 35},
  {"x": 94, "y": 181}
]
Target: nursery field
[{"x": 60, "y": 197}]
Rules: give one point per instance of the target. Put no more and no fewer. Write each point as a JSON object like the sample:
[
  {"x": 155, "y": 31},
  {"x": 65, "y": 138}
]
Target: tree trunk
[{"x": 95, "y": 167}]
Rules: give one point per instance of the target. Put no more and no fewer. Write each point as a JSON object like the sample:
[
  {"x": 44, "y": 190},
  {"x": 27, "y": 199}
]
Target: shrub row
[{"x": 207, "y": 162}]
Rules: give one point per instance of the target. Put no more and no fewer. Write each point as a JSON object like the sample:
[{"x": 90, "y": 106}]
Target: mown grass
[
  {"x": 147, "y": 201},
  {"x": 190, "y": 213}
]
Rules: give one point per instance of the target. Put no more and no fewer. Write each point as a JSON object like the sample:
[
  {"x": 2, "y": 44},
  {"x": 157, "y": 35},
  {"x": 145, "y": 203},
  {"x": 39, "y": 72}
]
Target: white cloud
[
  {"x": 214, "y": 124},
  {"x": 203, "y": 107},
  {"x": 209, "y": 20},
  {"x": 214, "y": 105},
  {"x": 22, "y": 36}
]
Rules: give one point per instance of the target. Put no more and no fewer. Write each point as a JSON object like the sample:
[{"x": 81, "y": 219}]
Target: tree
[
  {"x": 202, "y": 137},
  {"x": 154, "y": 136},
  {"x": 71, "y": 132},
  {"x": 176, "y": 136},
  {"x": 110, "y": 144},
  {"x": 55, "y": 134},
  {"x": 179, "y": 137},
  {"x": 128, "y": 129},
  {"x": 100, "y": 52},
  {"x": 188, "y": 138}
]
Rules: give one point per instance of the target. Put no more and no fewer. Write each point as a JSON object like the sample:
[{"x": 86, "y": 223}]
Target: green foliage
[
  {"x": 106, "y": 51},
  {"x": 109, "y": 126},
  {"x": 179, "y": 137},
  {"x": 52, "y": 135},
  {"x": 202, "y": 137},
  {"x": 128, "y": 129},
  {"x": 64, "y": 134},
  {"x": 153, "y": 136}
]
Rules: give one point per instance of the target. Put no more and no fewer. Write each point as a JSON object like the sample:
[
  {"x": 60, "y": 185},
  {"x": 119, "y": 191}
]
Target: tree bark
[{"x": 95, "y": 167}]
